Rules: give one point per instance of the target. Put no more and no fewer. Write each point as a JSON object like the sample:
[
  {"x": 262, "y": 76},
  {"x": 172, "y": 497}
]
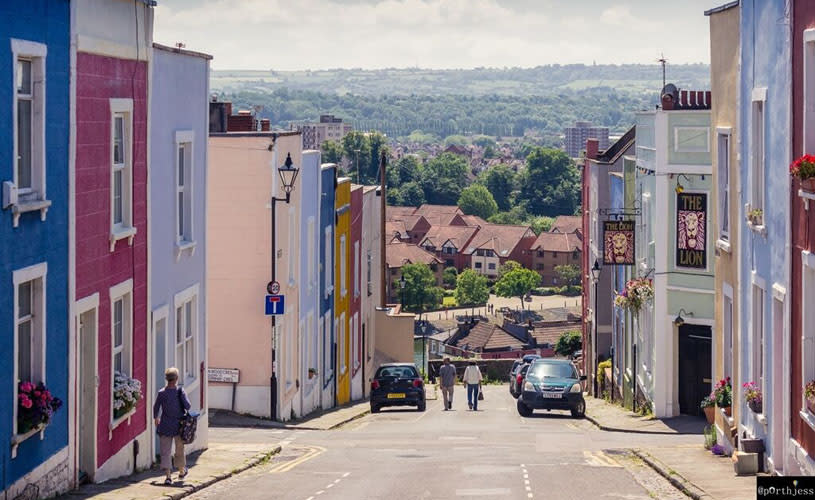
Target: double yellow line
[
  {"x": 600, "y": 459},
  {"x": 312, "y": 452}
]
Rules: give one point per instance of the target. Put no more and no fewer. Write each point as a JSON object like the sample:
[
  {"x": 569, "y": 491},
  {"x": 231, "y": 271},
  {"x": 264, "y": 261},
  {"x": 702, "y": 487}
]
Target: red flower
[{"x": 25, "y": 402}]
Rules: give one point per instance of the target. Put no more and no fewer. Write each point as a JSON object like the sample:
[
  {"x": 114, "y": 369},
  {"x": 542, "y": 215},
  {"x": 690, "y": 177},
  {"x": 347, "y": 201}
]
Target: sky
[{"x": 440, "y": 34}]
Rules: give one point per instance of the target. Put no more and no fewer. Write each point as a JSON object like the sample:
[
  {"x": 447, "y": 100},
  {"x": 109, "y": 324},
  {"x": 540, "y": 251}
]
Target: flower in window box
[
  {"x": 312, "y": 372},
  {"x": 756, "y": 216},
  {"x": 753, "y": 396},
  {"x": 35, "y": 406},
  {"x": 723, "y": 394},
  {"x": 804, "y": 169},
  {"x": 126, "y": 393},
  {"x": 809, "y": 393}
]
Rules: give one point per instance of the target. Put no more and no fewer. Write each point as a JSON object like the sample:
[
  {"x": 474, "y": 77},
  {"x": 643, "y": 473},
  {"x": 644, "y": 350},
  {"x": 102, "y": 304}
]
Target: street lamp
[
  {"x": 402, "y": 284},
  {"x": 356, "y": 160},
  {"x": 595, "y": 276},
  {"x": 288, "y": 174},
  {"x": 679, "y": 321}
]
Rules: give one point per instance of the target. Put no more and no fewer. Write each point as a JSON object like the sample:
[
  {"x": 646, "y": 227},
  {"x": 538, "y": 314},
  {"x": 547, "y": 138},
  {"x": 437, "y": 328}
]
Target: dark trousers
[{"x": 472, "y": 395}]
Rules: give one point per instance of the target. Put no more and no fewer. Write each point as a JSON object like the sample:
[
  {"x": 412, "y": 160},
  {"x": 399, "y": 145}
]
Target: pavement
[
  {"x": 689, "y": 467},
  {"x": 318, "y": 421}
]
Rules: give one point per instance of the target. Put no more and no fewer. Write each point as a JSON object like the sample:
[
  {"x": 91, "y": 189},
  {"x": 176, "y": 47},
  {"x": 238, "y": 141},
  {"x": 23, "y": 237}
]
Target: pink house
[{"x": 111, "y": 235}]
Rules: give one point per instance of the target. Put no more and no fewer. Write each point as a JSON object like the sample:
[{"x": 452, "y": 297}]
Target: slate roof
[{"x": 489, "y": 336}]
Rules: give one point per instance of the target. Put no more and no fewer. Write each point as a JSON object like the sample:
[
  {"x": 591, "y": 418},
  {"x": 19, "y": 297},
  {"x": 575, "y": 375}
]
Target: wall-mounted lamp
[
  {"x": 679, "y": 321},
  {"x": 679, "y": 187}
]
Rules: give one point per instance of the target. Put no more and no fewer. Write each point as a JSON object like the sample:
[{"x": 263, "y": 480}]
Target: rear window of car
[
  {"x": 556, "y": 370},
  {"x": 397, "y": 372}
]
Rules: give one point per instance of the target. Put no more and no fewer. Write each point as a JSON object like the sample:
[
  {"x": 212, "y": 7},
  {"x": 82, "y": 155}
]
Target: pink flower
[
  {"x": 26, "y": 387},
  {"x": 25, "y": 402}
]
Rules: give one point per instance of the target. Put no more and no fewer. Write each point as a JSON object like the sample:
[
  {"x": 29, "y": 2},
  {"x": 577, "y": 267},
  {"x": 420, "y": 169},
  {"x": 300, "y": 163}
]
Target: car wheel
[
  {"x": 421, "y": 406},
  {"x": 579, "y": 411},
  {"x": 374, "y": 408},
  {"x": 524, "y": 410}
]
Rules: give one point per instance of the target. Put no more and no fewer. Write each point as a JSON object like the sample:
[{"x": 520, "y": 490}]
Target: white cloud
[{"x": 286, "y": 34}]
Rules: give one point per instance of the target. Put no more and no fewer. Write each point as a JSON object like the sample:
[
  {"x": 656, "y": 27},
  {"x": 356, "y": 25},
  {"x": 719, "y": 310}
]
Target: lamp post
[
  {"x": 356, "y": 161},
  {"x": 402, "y": 284},
  {"x": 595, "y": 277},
  {"x": 288, "y": 174}
]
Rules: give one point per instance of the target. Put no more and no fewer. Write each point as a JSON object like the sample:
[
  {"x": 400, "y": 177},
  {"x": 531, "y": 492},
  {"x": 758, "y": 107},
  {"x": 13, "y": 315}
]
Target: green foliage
[
  {"x": 517, "y": 215},
  {"x": 484, "y": 141},
  {"x": 458, "y": 140},
  {"x": 489, "y": 152},
  {"x": 477, "y": 200},
  {"x": 550, "y": 184},
  {"x": 411, "y": 194},
  {"x": 331, "y": 152},
  {"x": 449, "y": 277},
  {"x": 364, "y": 151},
  {"x": 419, "y": 137},
  {"x": 710, "y": 436},
  {"x": 420, "y": 293},
  {"x": 568, "y": 274},
  {"x": 541, "y": 223},
  {"x": 472, "y": 288},
  {"x": 405, "y": 169},
  {"x": 501, "y": 181},
  {"x": 601, "y": 367},
  {"x": 516, "y": 282},
  {"x": 569, "y": 343},
  {"x": 443, "y": 178}
]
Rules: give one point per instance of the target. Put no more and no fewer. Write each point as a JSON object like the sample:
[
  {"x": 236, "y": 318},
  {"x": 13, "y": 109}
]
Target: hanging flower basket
[
  {"x": 804, "y": 169},
  {"x": 753, "y": 396},
  {"x": 35, "y": 406},
  {"x": 637, "y": 292},
  {"x": 126, "y": 393}
]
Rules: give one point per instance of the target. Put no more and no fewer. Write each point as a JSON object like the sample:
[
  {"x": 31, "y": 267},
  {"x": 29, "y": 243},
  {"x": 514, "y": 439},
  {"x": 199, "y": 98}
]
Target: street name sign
[{"x": 227, "y": 375}]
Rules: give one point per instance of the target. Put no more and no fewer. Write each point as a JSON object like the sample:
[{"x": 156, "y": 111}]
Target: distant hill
[{"x": 540, "y": 80}]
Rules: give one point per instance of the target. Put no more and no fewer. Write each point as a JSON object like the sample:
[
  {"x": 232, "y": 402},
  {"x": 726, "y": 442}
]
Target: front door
[
  {"x": 88, "y": 381},
  {"x": 160, "y": 356},
  {"x": 694, "y": 367}
]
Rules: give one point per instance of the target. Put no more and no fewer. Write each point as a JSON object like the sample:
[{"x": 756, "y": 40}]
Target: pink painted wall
[
  {"x": 357, "y": 267},
  {"x": 99, "y": 79}
]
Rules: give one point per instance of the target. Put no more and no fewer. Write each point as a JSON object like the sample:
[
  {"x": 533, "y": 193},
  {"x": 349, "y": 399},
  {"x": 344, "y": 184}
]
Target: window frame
[
  {"x": 329, "y": 261},
  {"x": 328, "y": 349},
  {"x": 185, "y": 236},
  {"x": 125, "y": 229},
  {"x": 758, "y": 167},
  {"x": 369, "y": 273},
  {"x": 807, "y": 331},
  {"x": 723, "y": 137},
  {"x": 355, "y": 344},
  {"x": 809, "y": 90},
  {"x": 758, "y": 338},
  {"x": 343, "y": 342},
  {"x": 36, "y": 275},
  {"x": 188, "y": 297},
  {"x": 357, "y": 269},
  {"x": 122, "y": 291},
  {"x": 312, "y": 261},
  {"x": 691, "y": 129},
  {"x": 292, "y": 256},
  {"x": 343, "y": 265},
  {"x": 727, "y": 331}
]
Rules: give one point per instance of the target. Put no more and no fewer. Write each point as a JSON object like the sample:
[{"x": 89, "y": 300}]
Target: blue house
[
  {"x": 310, "y": 317},
  {"x": 34, "y": 243},
  {"x": 178, "y": 201},
  {"x": 328, "y": 179},
  {"x": 765, "y": 116}
]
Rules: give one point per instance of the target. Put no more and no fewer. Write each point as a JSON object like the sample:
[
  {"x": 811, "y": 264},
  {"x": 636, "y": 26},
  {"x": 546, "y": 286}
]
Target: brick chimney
[
  {"x": 592, "y": 148},
  {"x": 265, "y": 125}
]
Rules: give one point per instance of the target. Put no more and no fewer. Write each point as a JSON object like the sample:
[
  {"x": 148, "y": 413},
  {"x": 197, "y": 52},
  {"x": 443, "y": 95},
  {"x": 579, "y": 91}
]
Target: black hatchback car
[
  {"x": 397, "y": 384},
  {"x": 552, "y": 384}
]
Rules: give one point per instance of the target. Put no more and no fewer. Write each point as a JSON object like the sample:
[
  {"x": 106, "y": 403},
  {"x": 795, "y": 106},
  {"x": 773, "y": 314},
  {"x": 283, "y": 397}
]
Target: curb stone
[
  {"x": 629, "y": 431},
  {"x": 675, "y": 479},
  {"x": 253, "y": 462}
]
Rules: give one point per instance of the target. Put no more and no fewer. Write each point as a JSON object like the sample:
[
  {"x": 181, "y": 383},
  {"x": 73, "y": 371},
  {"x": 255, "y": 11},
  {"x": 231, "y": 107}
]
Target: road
[{"x": 491, "y": 454}]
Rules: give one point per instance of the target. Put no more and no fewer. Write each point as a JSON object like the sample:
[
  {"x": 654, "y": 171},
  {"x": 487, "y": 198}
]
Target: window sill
[
  {"x": 808, "y": 417},
  {"x": 23, "y": 206},
  {"x": 17, "y": 439},
  {"x": 757, "y": 228},
  {"x": 724, "y": 246},
  {"x": 183, "y": 246},
  {"x": 117, "y": 422},
  {"x": 117, "y": 234},
  {"x": 729, "y": 420},
  {"x": 762, "y": 419},
  {"x": 806, "y": 196}
]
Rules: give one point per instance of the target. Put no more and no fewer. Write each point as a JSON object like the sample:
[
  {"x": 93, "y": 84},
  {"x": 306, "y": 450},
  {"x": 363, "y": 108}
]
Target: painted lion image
[{"x": 619, "y": 243}]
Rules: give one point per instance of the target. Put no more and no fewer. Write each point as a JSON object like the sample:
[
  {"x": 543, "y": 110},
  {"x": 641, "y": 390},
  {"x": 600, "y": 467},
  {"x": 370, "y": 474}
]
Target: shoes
[
  {"x": 183, "y": 474},
  {"x": 168, "y": 481},
  {"x": 470, "y": 405},
  {"x": 450, "y": 405}
]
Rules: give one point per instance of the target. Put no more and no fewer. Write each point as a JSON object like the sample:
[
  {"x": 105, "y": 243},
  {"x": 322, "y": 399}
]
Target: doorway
[
  {"x": 695, "y": 376},
  {"x": 159, "y": 354},
  {"x": 88, "y": 383}
]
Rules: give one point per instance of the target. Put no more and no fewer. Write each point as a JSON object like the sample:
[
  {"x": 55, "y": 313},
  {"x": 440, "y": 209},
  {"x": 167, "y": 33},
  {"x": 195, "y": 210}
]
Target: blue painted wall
[
  {"x": 310, "y": 194},
  {"x": 36, "y": 241},
  {"x": 328, "y": 177},
  {"x": 178, "y": 103},
  {"x": 765, "y": 62}
]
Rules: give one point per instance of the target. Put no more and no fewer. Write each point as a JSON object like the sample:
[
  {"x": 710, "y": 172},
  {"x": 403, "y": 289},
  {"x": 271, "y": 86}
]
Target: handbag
[
  {"x": 187, "y": 424},
  {"x": 480, "y": 393}
]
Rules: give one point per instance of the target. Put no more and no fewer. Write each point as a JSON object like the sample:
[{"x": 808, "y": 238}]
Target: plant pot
[
  {"x": 709, "y": 414},
  {"x": 755, "y": 406},
  {"x": 728, "y": 410},
  {"x": 808, "y": 185},
  {"x": 752, "y": 445},
  {"x": 811, "y": 405}
]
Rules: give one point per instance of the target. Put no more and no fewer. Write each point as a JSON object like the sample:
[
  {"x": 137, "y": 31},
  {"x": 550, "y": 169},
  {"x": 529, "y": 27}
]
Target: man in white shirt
[{"x": 472, "y": 380}]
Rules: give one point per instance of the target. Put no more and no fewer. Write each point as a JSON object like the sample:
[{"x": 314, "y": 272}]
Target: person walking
[
  {"x": 472, "y": 380},
  {"x": 447, "y": 382},
  {"x": 171, "y": 403}
]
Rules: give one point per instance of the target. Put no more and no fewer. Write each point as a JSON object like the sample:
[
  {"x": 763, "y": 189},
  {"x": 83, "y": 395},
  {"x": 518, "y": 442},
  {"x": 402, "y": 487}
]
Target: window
[
  {"x": 757, "y": 150},
  {"x": 328, "y": 349},
  {"x": 312, "y": 265},
  {"x": 29, "y": 326},
  {"x": 491, "y": 266},
  {"x": 121, "y": 178},
  {"x": 29, "y": 120},
  {"x": 539, "y": 266},
  {"x": 554, "y": 254},
  {"x": 291, "y": 350},
  {"x": 809, "y": 91},
  {"x": 184, "y": 188},
  {"x": 357, "y": 269},
  {"x": 691, "y": 139},
  {"x": 368, "y": 271},
  {"x": 343, "y": 345},
  {"x": 807, "y": 319},
  {"x": 723, "y": 172},
  {"x": 293, "y": 256},
  {"x": 186, "y": 334},
  {"x": 311, "y": 333},
  {"x": 449, "y": 263},
  {"x": 329, "y": 258},
  {"x": 355, "y": 341},
  {"x": 727, "y": 329},
  {"x": 758, "y": 335},
  {"x": 575, "y": 255},
  {"x": 478, "y": 265},
  {"x": 121, "y": 330},
  {"x": 343, "y": 266}
]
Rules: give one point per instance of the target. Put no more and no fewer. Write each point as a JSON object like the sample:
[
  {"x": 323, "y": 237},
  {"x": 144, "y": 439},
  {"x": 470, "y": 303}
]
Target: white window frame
[
  {"x": 123, "y": 291},
  {"x": 312, "y": 261},
  {"x": 369, "y": 273},
  {"x": 758, "y": 299},
  {"x": 328, "y": 349},
  {"x": 343, "y": 345},
  {"x": 809, "y": 90},
  {"x": 292, "y": 256},
  {"x": 723, "y": 174},
  {"x": 706, "y": 134},
  {"x": 290, "y": 332},
  {"x": 343, "y": 266},
  {"x": 758, "y": 120},
  {"x": 36, "y": 275},
  {"x": 185, "y": 240},
  {"x": 807, "y": 330},
  {"x": 329, "y": 261},
  {"x": 125, "y": 229},
  {"x": 357, "y": 269},
  {"x": 33, "y": 197},
  {"x": 182, "y": 300},
  {"x": 727, "y": 330},
  {"x": 355, "y": 344}
]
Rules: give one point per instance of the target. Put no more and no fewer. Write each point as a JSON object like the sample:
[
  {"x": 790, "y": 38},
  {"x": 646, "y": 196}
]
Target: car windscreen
[
  {"x": 397, "y": 372},
  {"x": 555, "y": 370}
]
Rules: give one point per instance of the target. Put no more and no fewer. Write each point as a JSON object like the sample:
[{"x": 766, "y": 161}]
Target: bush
[
  {"x": 449, "y": 293},
  {"x": 601, "y": 370},
  {"x": 569, "y": 342}
]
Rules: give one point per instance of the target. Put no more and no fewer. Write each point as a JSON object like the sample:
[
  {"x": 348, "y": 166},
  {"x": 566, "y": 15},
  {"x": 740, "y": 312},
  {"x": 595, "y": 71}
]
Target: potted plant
[
  {"x": 756, "y": 216},
  {"x": 126, "y": 393},
  {"x": 723, "y": 393},
  {"x": 35, "y": 406},
  {"x": 708, "y": 404},
  {"x": 753, "y": 396},
  {"x": 804, "y": 169},
  {"x": 312, "y": 372},
  {"x": 635, "y": 294},
  {"x": 809, "y": 393}
]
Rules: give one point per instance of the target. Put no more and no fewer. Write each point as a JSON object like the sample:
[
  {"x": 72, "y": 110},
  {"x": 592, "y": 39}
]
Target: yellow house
[{"x": 342, "y": 273}]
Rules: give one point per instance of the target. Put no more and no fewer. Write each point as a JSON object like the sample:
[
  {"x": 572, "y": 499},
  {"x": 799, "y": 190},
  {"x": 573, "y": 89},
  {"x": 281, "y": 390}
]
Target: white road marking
[
  {"x": 457, "y": 438},
  {"x": 320, "y": 492},
  {"x": 484, "y": 492},
  {"x": 330, "y": 486},
  {"x": 346, "y": 474},
  {"x": 337, "y": 481}
]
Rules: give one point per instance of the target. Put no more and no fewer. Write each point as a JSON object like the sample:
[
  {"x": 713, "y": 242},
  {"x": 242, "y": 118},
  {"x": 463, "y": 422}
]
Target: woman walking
[
  {"x": 171, "y": 403},
  {"x": 472, "y": 380}
]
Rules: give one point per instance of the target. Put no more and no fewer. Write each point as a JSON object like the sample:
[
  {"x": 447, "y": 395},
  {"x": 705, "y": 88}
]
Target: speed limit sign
[{"x": 273, "y": 288}]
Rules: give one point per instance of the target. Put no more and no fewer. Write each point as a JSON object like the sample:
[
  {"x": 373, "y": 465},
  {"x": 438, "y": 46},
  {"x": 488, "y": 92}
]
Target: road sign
[
  {"x": 273, "y": 288},
  {"x": 228, "y": 375},
  {"x": 275, "y": 304}
]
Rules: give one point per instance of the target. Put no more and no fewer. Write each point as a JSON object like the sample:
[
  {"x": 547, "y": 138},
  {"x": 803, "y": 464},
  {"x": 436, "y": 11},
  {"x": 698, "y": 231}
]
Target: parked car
[
  {"x": 517, "y": 381},
  {"x": 552, "y": 384},
  {"x": 397, "y": 384}
]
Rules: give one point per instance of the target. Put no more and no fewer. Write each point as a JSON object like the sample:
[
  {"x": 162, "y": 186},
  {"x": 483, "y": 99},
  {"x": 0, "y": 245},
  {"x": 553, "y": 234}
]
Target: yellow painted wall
[{"x": 342, "y": 288}]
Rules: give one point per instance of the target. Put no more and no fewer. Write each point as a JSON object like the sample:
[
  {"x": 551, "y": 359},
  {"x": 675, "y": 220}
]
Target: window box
[
  {"x": 22, "y": 207},
  {"x": 117, "y": 234},
  {"x": 116, "y": 422},
  {"x": 17, "y": 439}
]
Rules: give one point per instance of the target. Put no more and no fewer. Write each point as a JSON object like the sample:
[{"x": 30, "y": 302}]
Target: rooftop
[{"x": 399, "y": 254}]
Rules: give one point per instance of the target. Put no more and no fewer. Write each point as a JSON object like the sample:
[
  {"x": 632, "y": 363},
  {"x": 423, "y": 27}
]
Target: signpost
[
  {"x": 273, "y": 288},
  {"x": 275, "y": 305},
  {"x": 618, "y": 242},
  {"x": 227, "y": 376},
  {"x": 691, "y": 230}
]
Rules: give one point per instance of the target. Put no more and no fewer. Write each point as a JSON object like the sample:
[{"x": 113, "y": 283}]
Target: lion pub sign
[
  {"x": 691, "y": 230},
  {"x": 618, "y": 242}
]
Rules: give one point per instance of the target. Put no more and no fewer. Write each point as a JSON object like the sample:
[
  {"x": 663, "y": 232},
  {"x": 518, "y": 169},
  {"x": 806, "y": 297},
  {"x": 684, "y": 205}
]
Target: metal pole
[
  {"x": 634, "y": 378},
  {"x": 273, "y": 380},
  {"x": 594, "y": 342},
  {"x": 383, "y": 264}
]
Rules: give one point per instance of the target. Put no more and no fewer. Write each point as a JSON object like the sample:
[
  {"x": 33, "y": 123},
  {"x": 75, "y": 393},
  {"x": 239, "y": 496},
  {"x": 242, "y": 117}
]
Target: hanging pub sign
[
  {"x": 691, "y": 230},
  {"x": 618, "y": 242}
]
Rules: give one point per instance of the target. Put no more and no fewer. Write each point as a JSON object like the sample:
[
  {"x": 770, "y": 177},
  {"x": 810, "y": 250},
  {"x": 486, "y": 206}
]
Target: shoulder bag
[{"x": 187, "y": 424}]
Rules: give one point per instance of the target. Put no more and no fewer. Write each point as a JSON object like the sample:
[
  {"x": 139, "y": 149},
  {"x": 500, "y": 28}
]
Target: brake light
[
  {"x": 374, "y": 385},
  {"x": 519, "y": 379},
  {"x": 417, "y": 382}
]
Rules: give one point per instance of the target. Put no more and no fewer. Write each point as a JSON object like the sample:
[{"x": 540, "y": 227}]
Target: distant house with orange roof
[
  {"x": 495, "y": 244},
  {"x": 567, "y": 224},
  {"x": 448, "y": 244},
  {"x": 400, "y": 254},
  {"x": 555, "y": 249}
]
